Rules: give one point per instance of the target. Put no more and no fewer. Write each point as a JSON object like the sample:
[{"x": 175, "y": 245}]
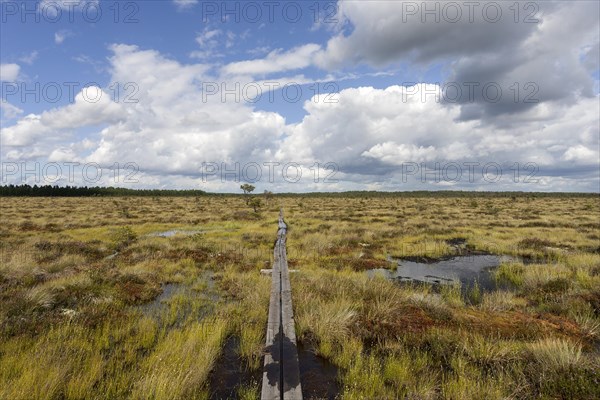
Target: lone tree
[
  {"x": 247, "y": 188},
  {"x": 255, "y": 203}
]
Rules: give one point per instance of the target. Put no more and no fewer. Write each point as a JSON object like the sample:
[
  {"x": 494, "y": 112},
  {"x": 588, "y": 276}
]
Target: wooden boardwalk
[{"x": 281, "y": 373}]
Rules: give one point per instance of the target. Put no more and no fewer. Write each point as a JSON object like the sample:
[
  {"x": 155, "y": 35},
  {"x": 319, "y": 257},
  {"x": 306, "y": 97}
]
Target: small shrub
[{"x": 124, "y": 236}]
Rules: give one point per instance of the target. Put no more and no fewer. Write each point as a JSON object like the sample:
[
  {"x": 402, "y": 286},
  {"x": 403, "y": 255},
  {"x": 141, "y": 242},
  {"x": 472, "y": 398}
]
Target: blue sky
[
  {"x": 382, "y": 69},
  {"x": 81, "y": 56},
  {"x": 159, "y": 25}
]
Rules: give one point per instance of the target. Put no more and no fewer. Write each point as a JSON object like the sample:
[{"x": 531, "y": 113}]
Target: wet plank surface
[{"x": 281, "y": 372}]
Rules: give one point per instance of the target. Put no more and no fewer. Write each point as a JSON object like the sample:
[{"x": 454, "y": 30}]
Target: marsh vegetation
[{"x": 97, "y": 302}]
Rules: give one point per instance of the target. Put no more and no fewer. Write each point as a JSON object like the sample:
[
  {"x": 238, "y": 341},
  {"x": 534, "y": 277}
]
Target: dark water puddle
[
  {"x": 203, "y": 290},
  {"x": 465, "y": 270},
  {"x": 159, "y": 303},
  {"x": 174, "y": 232},
  {"x": 318, "y": 377},
  {"x": 211, "y": 291},
  {"x": 229, "y": 373}
]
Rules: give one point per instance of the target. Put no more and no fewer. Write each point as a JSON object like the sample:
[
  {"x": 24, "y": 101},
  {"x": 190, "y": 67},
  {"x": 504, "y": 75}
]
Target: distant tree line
[
  {"x": 74, "y": 191},
  {"x": 440, "y": 194}
]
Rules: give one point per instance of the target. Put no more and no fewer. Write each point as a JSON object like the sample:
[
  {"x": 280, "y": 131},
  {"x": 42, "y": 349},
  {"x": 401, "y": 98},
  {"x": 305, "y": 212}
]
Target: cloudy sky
[{"x": 301, "y": 96}]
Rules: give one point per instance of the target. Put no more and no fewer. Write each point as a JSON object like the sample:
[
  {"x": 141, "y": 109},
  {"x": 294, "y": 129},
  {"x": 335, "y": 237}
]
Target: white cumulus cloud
[
  {"x": 9, "y": 72},
  {"x": 276, "y": 61}
]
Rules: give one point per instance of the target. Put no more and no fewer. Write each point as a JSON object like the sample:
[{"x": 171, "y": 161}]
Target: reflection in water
[
  {"x": 200, "y": 297},
  {"x": 319, "y": 377},
  {"x": 464, "y": 269},
  {"x": 156, "y": 306},
  {"x": 230, "y": 373},
  {"x": 174, "y": 232}
]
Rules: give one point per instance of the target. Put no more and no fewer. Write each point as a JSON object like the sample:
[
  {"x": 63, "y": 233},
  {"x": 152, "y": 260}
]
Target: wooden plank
[
  {"x": 281, "y": 372},
  {"x": 271, "y": 373}
]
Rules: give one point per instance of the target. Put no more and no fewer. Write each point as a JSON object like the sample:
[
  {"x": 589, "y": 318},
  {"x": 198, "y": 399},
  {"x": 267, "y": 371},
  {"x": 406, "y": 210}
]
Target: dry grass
[
  {"x": 555, "y": 354},
  {"x": 502, "y": 300},
  {"x": 179, "y": 366}
]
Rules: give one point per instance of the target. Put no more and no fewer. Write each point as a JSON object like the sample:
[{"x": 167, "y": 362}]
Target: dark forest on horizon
[{"x": 75, "y": 191}]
